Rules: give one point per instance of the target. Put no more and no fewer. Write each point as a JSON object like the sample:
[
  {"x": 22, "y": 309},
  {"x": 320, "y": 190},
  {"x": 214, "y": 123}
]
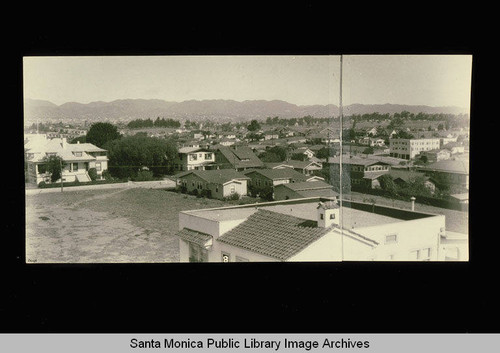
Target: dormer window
[{"x": 77, "y": 154}]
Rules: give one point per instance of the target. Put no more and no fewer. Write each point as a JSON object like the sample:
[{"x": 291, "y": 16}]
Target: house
[
  {"x": 360, "y": 172},
  {"x": 304, "y": 189},
  {"x": 454, "y": 148},
  {"x": 403, "y": 177},
  {"x": 306, "y": 151},
  {"x": 189, "y": 158},
  {"x": 377, "y": 142},
  {"x": 304, "y": 167},
  {"x": 213, "y": 183},
  {"x": 271, "y": 135},
  {"x": 238, "y": 157},
  {"x": 372, "y": 131},
  {"x": 227, "y": 142},
  {"x": 448, "y": 173},
  {"x": 273, "y": 177},
  {"x": 78, "y": 159},
  {"x": 409, "y": 148},
  {"x": 309, "y": 229},
  {"x": 435, "y": 155}
]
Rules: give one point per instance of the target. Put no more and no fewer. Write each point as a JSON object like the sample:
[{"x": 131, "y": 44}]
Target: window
[
  {"x": 193, "y": 157},
  {"x": 197, "y": 253},
  {"x": 415, "y": 255},
  {"x": 321, "y": 216},
  {"x": 77, "y": 154},
  {"x": 391, "y": 238},
  {"x": 98, "y": 167},
  {"x": 426, "y": 254},
  {"x": 332, "y": 215},
  {"x": 208, "y": 156},
  {"x": 75, "y": 167},
  {"x": 226, "y": 257},
  {"x": 232, "y": 189}
]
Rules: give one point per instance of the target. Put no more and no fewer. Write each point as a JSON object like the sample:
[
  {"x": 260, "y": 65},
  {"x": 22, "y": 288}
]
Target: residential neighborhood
[
  {"x": 246, "y": 158},
  {"x": 277, "y": 182}
]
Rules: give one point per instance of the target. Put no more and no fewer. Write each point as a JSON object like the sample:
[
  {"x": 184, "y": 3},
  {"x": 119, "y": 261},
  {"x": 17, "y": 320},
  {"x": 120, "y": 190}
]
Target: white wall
[
  {"x": 411, "y": 235},
  {"x": 326, "y": 248}
]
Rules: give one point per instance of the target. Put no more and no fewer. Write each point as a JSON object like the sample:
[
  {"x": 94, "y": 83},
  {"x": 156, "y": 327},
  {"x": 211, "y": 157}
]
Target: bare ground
[{"x": 106, "y": 226}]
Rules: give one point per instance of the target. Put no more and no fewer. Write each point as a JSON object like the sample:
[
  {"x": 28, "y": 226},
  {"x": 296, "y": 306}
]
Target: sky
[{"x": 302, "y": 80}]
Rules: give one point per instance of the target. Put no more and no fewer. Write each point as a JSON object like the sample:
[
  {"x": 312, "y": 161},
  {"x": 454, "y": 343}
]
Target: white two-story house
[
  {"x": 194, "y": 158},
  {"x": 78, "y": 158}
]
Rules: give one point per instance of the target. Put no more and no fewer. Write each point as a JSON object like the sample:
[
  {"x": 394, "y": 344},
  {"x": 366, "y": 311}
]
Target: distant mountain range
[{"x": 217, "y": 108}]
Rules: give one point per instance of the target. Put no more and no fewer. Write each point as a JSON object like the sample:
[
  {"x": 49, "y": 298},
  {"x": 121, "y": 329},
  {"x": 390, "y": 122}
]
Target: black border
[{"x": 315, "y": 298}]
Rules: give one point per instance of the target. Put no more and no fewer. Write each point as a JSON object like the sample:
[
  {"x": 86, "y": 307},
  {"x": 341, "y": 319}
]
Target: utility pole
[
  {"x": 341, "y": 113},
  {"x": 60, "y": 166}
]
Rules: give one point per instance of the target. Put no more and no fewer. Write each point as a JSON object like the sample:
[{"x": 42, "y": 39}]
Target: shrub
[
  {"x": 42, "y": 184},
  {"x": 92, "y": 174},
  {"x": 107, "y": 175},
  {"x": 234, "y": 196},
  {"x": 193, "y": 192},
  {"x": 143, "y": 175},
  {"x": 206, "y": 193}
]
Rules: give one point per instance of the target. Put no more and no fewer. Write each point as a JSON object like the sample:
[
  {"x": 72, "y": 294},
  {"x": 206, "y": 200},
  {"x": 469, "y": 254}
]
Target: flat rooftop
[{"x": 352, "y": 218}]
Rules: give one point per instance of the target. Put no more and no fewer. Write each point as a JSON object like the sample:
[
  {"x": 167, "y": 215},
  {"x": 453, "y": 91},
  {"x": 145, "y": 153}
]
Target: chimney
[
  {"x": 413, "y": 203},
  {"x": 328, "y": 214},
  {"x": 63, "y": 142}
]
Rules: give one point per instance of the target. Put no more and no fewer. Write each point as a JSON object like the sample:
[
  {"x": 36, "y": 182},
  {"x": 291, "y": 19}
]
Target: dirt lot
[
  {"x": 106, "y": 226},
  {"x": 132, "y": 224}
]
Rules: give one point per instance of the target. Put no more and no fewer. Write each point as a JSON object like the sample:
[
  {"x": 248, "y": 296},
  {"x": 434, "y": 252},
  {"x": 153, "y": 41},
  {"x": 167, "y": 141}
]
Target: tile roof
[
  {"x": 274, "y": 234},
  {"x": 193, "y": 236}
]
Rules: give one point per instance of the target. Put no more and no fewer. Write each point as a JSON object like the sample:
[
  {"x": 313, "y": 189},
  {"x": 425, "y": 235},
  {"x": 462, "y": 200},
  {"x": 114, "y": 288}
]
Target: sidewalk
[{"x": 157, "y": 184}]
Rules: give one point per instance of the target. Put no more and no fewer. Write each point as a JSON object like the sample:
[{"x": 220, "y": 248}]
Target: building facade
[
  {"x": 78, "y": 159},
  {"x": 409, "y": 148},
  {"x": 309, "y": 229},
  {"x": 194, "y": 158}
]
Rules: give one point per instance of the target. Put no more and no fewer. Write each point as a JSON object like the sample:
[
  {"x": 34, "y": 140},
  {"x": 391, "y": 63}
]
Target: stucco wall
[
  {"x": 411, "y": 235},
  {"x": 326, "y": 248}
]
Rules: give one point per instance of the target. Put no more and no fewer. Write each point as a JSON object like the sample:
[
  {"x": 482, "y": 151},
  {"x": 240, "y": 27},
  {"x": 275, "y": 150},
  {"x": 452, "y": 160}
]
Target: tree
[
  {"x": 387, "y": 184},
  {"x": 368, "y": 150},
  {"x": 254, "y": 126},
  {"x": 130, "y": 154},
  {"x": 101, "y": 133},
  {"x": 92, "y": 174},
  {"x": 403, "y": 135},
  {"x": 54, "y": 165}
]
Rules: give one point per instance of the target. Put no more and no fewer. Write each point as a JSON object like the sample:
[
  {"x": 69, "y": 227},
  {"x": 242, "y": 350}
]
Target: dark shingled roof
[
  {"x": 274, "y": 234},
  {"x": 241, "y": 157},
  {"x": 193, "y": 236},
  {"x": 215, "y": 176},
  {"x": 284, "y": 173},
  {"x": 306, "y": 185}
]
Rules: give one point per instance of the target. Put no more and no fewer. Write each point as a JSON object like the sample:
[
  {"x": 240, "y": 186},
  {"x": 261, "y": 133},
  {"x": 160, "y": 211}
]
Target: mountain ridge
[{"x": 210, "y": 108}]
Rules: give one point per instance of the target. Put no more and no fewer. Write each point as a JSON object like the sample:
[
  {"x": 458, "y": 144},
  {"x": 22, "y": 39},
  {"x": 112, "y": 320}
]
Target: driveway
[{"x": 157, "y": 184}]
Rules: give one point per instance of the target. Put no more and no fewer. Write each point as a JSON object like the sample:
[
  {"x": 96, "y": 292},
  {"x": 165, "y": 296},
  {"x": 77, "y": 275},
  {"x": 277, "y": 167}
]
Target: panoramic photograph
[{"x": 308, "y": 158}]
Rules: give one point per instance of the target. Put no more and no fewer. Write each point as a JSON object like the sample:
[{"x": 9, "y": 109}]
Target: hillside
[{"x": 197, "y": 109}]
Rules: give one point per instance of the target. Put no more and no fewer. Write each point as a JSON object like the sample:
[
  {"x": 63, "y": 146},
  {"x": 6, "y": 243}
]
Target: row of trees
[
  {"x": 148, "y": 123},
  {"x": 306, "y": 120},
  {"x": 136, "y": 157}
]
